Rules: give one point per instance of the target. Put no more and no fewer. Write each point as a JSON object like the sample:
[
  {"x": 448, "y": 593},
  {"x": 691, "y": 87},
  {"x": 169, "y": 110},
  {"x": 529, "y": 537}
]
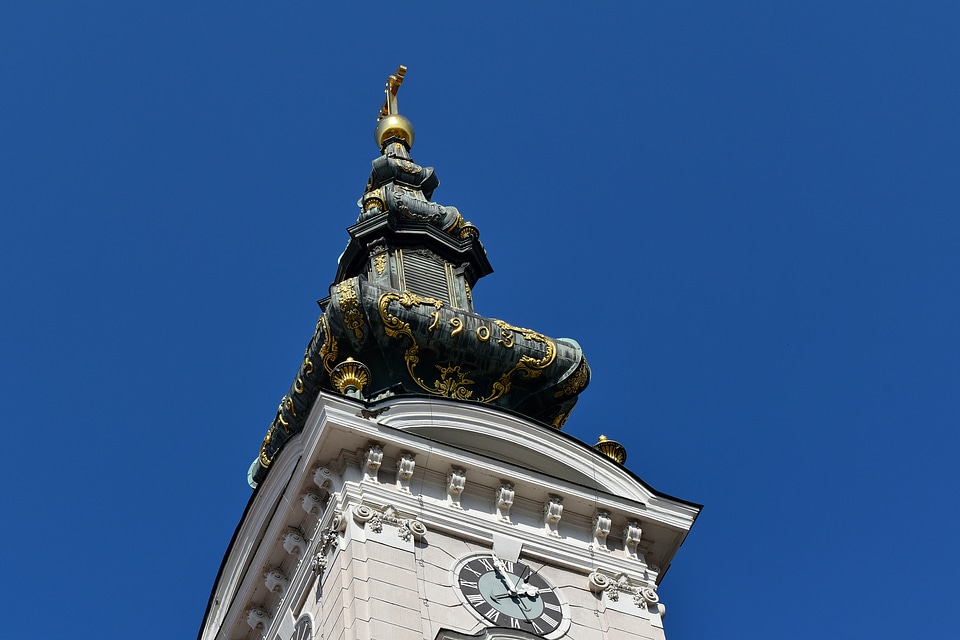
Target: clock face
[{"x": 509, "y": 594}]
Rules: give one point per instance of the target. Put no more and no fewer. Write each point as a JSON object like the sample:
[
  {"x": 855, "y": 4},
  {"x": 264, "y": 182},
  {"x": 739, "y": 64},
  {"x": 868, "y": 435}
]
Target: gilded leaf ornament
[{"x": 350, "y": 306}]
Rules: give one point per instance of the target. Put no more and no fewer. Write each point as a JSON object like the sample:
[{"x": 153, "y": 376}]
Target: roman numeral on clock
[{"x": 491, "y": 614}]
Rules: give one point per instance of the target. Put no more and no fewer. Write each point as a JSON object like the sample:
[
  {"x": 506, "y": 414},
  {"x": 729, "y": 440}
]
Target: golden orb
[{"x": 393, "y": 126}]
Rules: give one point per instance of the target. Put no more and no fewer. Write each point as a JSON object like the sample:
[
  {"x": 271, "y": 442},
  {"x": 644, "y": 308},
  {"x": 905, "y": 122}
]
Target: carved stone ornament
[
  {"x": 631, "y": 538},
  {"x": 456, "y": 482},
  {"x": 338, "y": 523},
  {"x": 416, "y": 528},
  {"x": 258, "y": 618},
  {"x": 374, "y": 520},
  {"x": 276, "y": 581},
  {"x": 328, "y": 540},
  {"x": 504, "y": 498},
  {"x": 312, "y": 503},
  {"x": 552, "y": 512},
  {"x": 405, "y": 467},
  {"x": 598, "y": 582},
  {"x": 319, "y": 564},
  {"x": 295, "y": 543},
  {"x": 601, "y": 529},
  {"x": 323, "y": 478},
  {"x": 363, "y": 514},
  {"x": 644, "y": 596},
  {"x": 373, "y": 457}
]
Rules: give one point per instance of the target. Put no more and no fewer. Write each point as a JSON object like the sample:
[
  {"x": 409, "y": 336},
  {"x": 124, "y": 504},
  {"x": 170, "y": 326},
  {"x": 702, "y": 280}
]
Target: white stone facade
[{"x": 359, "y": 524}]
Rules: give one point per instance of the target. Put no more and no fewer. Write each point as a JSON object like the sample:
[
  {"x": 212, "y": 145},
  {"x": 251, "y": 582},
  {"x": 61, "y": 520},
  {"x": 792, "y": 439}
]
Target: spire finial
[
  {"x": 390, "y": 124},
  {"x": 389, "y": 107}
]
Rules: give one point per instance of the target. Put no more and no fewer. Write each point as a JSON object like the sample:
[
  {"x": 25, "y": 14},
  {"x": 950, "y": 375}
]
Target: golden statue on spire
[{"x": 390, "y": 124}]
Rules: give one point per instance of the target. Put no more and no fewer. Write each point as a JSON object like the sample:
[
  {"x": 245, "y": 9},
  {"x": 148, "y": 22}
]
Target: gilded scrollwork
[
  {"x": 350, "y": 306},
  {"x": 453, "y": 382},
  {"x": 528, "y": 366},
  {"x": 380, "y": 261},
  {"x": 328, "y": 350},
  {"x": 264, "y": 460},
  {"x": 396, "y": 328},
  {"x": 560, "y": 419},
  {"x": 577, "y": 382}
]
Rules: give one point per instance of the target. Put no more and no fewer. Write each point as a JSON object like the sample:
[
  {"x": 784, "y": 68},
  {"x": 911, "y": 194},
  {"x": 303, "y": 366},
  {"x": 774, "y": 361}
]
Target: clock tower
[{"x": 415, "y": 483}]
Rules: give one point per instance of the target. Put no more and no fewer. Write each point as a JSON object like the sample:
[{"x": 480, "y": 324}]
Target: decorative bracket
[
  {"x": 405, "y": 467},
  {"x": 631, "y": 538},
  {"x": 294, "y": 542},
  {"x": 258, "y": 618},
  {"x": 552, "y": 512},
  {"x": 601, "y": 529},
  {"x": 456, "y": 482},
  {"x": 373, "y": 457},
  {"x": 504, "y": 499},
  {"x": 312, "y": 503},
  {"x": 276, "y": 581}
]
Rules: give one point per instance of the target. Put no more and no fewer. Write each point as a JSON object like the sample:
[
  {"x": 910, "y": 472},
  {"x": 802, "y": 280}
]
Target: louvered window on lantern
[{"x": 426, "y": 275}]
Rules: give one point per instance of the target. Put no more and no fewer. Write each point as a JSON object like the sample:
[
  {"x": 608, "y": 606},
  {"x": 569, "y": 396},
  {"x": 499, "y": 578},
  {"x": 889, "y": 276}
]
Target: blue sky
[{"x": 745, "y": 212}]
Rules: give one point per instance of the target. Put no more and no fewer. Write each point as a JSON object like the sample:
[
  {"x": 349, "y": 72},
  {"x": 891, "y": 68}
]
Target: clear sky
[{"x": 745, "y": 212}]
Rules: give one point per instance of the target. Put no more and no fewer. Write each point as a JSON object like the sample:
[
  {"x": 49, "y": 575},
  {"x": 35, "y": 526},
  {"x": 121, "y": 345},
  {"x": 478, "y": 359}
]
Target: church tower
[{"x": 415, "y": 483}]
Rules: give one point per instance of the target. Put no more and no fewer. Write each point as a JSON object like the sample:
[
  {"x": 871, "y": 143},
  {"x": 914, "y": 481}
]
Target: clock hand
[
  {"x": 516, "y": 598},
  {"x": 524, "y": 587},
  {"x": 502, "y": 570}
]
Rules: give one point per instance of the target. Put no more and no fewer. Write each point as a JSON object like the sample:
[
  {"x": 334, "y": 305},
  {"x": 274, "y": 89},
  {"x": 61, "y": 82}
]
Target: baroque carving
[
  {"x": 258, "y": 618},
  {"x": 295, "y": 543},
  {"x": 405, "y": 467},
  {"x": 350, "y": 306},
  {"x": 504, "y": 500},
  {"x": 373, "y": 519},
  {"x": 453, "y": 382},
  {"x": 323, "y": 478},
  {"x": 456, "y": 482},
  {"x": 575, "y": 383},
  {"x": 552, "y": 512},
  {"x": 276, "y": 581},
  {"x": 644, "y": 596},
  {"x": 328, "y": 350},
  {"x": 631, "y": 538},
  {"x": 601, "y": 529},
  {"x": 312, "y": 503},
  {"x": 373, "y": 457}
]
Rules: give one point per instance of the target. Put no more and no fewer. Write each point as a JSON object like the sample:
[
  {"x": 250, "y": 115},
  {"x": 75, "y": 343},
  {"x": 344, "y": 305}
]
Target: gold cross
[{"x": 393, "y": 85}]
